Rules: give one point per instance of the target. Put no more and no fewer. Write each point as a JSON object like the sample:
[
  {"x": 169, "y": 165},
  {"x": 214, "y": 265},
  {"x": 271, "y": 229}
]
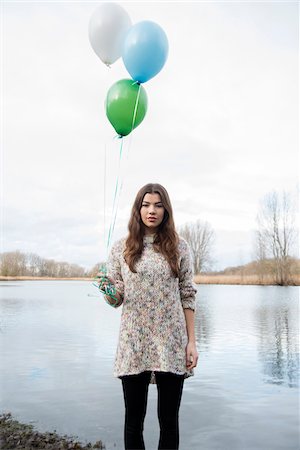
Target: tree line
[
  {"x": 30, "y": 264},
  {"x": 274, "y": 247}
]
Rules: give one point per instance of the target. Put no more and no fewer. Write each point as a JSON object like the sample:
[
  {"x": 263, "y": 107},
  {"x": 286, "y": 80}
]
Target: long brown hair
[{"x": 166, "y": 240}]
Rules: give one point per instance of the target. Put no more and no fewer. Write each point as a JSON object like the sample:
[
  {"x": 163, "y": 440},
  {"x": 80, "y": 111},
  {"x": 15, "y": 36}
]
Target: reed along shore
[
  {"x": 207, "y": 278},
  {"x": 267, "y": 280}
]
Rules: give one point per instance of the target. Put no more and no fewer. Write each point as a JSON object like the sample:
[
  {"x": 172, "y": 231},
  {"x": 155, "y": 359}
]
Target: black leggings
[{"x": 135, "y": 390}]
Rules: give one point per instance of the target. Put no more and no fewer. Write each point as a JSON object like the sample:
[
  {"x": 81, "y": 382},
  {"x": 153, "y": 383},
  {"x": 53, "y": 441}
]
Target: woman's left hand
[{"x": 191, "y": 355}]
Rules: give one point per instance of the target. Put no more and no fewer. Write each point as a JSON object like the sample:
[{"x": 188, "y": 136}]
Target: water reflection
[
  {"x": 203, "y": 322},
  {"x": 10, "y": 312},
  {"x": 58, "y": 344},
  {"x": 278, "y": 338}
]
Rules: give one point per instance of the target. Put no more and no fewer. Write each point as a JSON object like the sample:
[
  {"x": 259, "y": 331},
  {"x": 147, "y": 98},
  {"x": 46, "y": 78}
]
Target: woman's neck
[{"x": 150, "y": 232}]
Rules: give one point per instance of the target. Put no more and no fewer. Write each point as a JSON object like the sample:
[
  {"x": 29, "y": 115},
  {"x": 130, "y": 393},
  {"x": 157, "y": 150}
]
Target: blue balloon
[{"x": 145, "y": 50}]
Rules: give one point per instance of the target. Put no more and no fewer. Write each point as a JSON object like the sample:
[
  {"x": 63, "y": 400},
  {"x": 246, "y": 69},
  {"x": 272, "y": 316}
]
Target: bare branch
[{"x": 200, "y": 237}]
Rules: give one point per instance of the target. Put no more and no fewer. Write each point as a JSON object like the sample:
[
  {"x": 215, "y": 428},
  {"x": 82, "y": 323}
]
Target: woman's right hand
[
  {"x": 107, "y": 281},
  {"x": 104, "y": 280}
]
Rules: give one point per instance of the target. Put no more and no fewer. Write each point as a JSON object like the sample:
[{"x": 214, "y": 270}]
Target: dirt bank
[{"x": 16, "y": 436}]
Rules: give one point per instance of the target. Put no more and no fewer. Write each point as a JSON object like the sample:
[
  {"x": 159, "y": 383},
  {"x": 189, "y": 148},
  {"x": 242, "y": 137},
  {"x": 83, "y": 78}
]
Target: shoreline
[
  {"x": 29, "y": 278},
  {"x": 15, "y": 435},
  {"x": 252, "y": 280}
]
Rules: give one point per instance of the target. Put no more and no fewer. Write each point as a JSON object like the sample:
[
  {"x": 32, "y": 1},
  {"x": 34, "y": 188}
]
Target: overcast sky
[{"x": 221, "y": 129}]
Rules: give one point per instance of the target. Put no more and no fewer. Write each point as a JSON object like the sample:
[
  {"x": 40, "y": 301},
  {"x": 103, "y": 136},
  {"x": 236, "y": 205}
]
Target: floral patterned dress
[{"x": 153, "y": 334}]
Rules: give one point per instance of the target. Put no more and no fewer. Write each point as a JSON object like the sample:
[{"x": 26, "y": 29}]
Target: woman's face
[{"x": 152, "y": 212}]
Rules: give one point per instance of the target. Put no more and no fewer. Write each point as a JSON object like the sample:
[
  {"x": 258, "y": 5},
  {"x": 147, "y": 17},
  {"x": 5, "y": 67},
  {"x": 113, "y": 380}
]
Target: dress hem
[{"x": 152, "y": 379}]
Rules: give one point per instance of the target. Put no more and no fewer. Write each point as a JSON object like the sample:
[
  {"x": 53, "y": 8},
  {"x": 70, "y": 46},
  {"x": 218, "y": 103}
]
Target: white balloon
[{"x": 107, "y": 30}]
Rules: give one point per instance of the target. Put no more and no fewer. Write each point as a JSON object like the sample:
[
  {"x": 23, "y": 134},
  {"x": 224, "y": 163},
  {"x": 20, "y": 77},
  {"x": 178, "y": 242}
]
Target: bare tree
[
  {"x": 76, "y": 271},
  {"x": 276, "y": 233},
  {"x": 200, "y": 236},
  {"x": 50, "y": 267},
  {"x": 260, "y": 254},
  {"x": 13, "y": 263},
  {"x": 33, "y": 264},
  {"x": 63, "y": 270}
]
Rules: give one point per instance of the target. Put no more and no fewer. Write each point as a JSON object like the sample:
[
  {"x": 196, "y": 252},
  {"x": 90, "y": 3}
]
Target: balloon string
[
  {"x": 119, "y": 181},
  {"x": 115, "y": 203},
  {"x": 130, "y": 138},
  {"x": 120, "y": 189},
  {"x": 135, "y": 107},
  {"x": 104, "y": 195},
  {"x": 133, "y": 120},
  {"x": 117, "y": 195},
  {"x": 109, "y": 290}
]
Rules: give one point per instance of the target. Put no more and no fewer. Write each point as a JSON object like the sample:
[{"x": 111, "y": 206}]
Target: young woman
[{"x": 152, "y": 272}]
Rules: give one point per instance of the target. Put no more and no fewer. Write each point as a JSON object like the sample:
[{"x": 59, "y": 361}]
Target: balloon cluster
[{"x": 144, "y": 50}]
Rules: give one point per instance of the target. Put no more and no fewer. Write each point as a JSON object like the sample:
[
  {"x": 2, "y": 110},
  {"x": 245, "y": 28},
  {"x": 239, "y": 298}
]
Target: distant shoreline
[
  {"x": 199, "y": 279},
  {"x": 27, "y": 278}
]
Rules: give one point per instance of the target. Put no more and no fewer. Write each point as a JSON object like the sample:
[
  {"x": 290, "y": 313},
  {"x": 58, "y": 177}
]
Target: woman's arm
[
  {"x": 191, "y": 349},
  {"x": 188, "y": 294},
  {"x": 187, "y": 288},
  {"x": 114, "y": 274},
  {"x": 190, "y": 324}
]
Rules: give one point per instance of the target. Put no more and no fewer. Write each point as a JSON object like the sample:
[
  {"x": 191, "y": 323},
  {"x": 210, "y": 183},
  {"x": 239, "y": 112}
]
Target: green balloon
[{"x": 123, "y": 110}]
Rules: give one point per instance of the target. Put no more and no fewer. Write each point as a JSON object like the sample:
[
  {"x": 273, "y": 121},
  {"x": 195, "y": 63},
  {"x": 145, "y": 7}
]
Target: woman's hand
[
  {"x": 104, "y": 282},
  {"x": 191, "y": 355}
]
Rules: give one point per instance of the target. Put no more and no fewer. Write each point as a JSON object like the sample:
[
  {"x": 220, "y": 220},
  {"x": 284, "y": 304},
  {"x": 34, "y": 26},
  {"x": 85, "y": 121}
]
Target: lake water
[{"x": 58, "y": 341}]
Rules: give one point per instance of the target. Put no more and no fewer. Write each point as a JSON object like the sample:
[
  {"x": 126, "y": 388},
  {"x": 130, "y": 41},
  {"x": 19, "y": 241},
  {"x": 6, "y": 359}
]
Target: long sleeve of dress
[
  {"x": 114, "y": 270},
  {"x": 186, "y": 274}
]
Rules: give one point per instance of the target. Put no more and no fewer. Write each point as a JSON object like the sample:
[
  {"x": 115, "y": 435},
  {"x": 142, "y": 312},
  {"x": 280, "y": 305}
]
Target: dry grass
[
  {"x": 240, "y": 279},
  {"x": 199, "y": 279}
]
